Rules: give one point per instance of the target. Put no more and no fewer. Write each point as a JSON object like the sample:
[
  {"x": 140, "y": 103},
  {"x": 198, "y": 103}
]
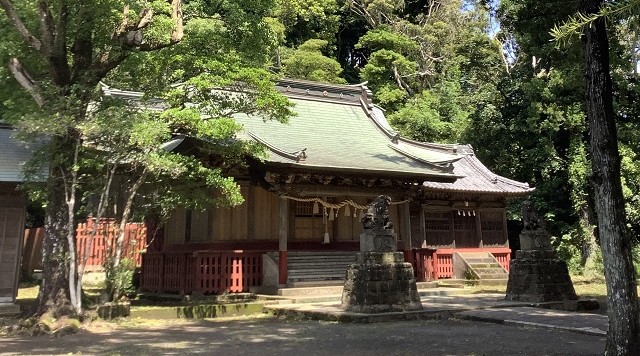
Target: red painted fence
[
  {"x": 202, "y": 272},
  {"x": 434, "y": 264},
  {"x": 135, "y": 236},
  {"x": 134, "y": 242}
]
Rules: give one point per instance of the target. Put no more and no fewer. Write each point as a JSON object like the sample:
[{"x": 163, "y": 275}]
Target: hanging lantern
[{"x": 316, "y": 208}]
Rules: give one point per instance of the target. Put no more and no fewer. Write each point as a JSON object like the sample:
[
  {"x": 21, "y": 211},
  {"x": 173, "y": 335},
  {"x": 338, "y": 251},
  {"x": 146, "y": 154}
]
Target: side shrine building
[{"x": 300, "y": 222}]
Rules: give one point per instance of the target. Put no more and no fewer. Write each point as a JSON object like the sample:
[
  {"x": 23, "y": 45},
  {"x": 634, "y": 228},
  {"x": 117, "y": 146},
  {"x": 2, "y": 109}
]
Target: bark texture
[
  {"x": 623, "y": 337},
  {"x": 54, "y": 295}
]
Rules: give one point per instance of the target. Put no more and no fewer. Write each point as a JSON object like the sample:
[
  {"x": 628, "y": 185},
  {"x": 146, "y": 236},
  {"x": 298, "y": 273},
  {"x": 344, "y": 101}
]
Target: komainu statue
[
  {"x": 377, "y": 216},
  {"x": 530, "y": 218}
]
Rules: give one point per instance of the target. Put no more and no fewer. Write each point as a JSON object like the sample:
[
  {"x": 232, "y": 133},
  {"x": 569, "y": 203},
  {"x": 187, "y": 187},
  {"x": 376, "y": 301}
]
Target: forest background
[{"x": 486, "y": 73}]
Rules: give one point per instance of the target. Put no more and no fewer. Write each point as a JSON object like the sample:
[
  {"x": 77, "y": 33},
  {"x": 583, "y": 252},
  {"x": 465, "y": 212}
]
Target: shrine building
[{"x": 300, "y": 221}]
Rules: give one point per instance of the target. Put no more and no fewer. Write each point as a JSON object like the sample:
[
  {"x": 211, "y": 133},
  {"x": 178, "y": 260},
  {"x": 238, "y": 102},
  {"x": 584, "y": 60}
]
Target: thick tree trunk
[
  {"x": 54, "y": 290},
  {"x": 623, "y": 337}
]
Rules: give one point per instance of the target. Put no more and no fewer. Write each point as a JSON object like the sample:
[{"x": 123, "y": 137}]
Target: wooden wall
[
  {"x": 257, "y": 220},
  {"x": 462, "y": 225},
  {"x": 12, "y": 215}
]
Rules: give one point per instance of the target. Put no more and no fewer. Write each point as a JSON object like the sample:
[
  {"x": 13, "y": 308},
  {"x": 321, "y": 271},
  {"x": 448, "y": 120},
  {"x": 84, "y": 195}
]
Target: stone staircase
[
  {"x": 480, "y": 266},
  {"x": 308, "y": 269}
]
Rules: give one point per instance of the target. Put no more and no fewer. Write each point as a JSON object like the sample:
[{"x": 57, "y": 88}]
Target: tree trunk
[
  {"x": 126, "y": 214},
  {"x": 623, "y": 337},
  {"x": 590, "y": 241},
  {"x": 54, "y": 290}
]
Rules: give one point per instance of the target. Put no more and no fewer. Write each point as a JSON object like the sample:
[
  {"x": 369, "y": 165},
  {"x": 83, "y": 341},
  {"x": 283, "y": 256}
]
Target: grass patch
[{"x": 589, "y": 287}]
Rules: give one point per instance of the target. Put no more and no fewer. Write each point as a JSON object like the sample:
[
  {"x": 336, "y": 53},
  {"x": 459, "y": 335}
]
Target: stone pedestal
[
  {"x": 380, "y": 282},
  {"x": 535, "y": 240},
  {"x": 538, "y": 276},
  {"x": 378, "y": 240}
]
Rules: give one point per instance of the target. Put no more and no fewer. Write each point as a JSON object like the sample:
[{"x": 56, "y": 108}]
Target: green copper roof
[{"x": 344, "y": 136}]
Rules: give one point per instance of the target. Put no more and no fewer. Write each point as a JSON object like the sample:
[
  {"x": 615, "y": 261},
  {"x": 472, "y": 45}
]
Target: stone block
[
  {"x": 535, "y": 276},
  {"x": 380, "y": 282},
  {"x": 378, "y": 240},
  {"x": 535, "y": 240}
]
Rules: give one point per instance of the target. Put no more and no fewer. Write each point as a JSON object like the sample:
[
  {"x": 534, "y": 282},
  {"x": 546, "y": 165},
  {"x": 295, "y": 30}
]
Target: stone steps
[
  {"x": 485, "y": 267},
  {"x": 318, "y": 266}
]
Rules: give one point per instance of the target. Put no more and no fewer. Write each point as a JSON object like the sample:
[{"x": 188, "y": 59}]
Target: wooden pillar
[
  {"x": 423, "y": 229},
  {"x": 251, "y": 208},
  {"x": 452, "y": 228},
  {"x": 405, "y": 225},
  {"x": 479, "y": 228},
  {"x": 283, "y": 234},
  {"x": 504, "y": 226},
  {"x": 405, "y": 229}
]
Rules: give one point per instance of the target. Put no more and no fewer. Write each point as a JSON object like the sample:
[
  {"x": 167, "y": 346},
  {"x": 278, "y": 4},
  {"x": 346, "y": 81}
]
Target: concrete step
[
  {"x": 490, "y": 270},
  {"x": 310, "y": 284},
  {"x": 9, "y": 309},
  {"x": 452, "y": 283},
  {"x": 480, "y": 260},
  {"x": 493, "y": 276},
  {"x": 427, "y": 285},
  {"x": 316, "y": 274},
  {"x": 493, "y": 282},
  {"x": 485, "y": 265},
  {"x": 315, "y": 298},
  {"x": 442, "y": 292},
  {"x": 318, "y": 265},
  {"x": 320, "y": 294},
  {"x": 317, "y": 271},
  {"x": 310, "y": 291}
]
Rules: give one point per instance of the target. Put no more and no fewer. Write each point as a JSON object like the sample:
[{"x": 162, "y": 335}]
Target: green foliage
[
  {"x": 432, "y": 116},
  {"x": 308, "y": 62},
  {"x": 611, "y": 10},
  {"x": 384, "y": 37},
  {"x": 119, "y": 279},
  {"x": 306, "y": 19},
  {"x": 568, "y": 249}
]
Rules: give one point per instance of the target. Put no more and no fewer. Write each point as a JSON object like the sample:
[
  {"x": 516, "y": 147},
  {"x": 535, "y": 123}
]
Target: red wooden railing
[
  {"x": 135, "y": 239},
  {"x": 504, "y": 258},
  {"x": 206, "y": 272},
  {"x": 434, "y": 264},
  {"x": 135, "y": 235}
]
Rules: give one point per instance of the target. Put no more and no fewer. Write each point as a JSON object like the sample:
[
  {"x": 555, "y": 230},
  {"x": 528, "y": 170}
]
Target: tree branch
[
  {"x": 401, "y": 83},
  {"x": 25, "y": 80},
  {"x": 10, "y": 10},
  {"x": 47, "y": 26},
  {"x": 176, "y": 16}
]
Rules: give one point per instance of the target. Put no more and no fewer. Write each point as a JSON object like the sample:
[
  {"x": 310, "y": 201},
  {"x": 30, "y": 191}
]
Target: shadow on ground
[{"x": 268, "y": 336}]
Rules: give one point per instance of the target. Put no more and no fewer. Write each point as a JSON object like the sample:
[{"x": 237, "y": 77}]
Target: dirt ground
[{"x": 269, "y": 336}]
